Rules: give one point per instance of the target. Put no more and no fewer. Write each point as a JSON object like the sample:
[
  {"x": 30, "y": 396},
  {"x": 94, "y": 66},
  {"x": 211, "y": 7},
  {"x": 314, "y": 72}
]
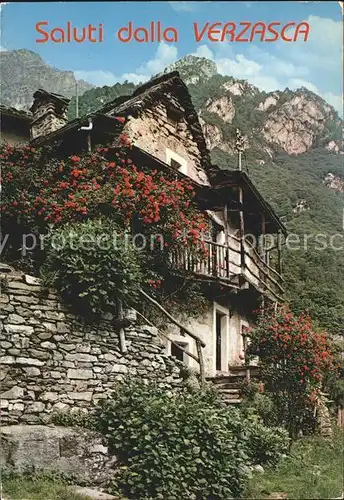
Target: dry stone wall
[
  {"x": 53, "y": 361},
  {"x": 154, "y": 132}
]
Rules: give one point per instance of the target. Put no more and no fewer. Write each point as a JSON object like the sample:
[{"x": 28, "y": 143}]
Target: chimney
[{"x": 49, "y": 113}]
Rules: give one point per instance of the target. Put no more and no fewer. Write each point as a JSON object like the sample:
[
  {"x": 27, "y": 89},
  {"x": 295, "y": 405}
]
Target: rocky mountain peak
[
  {"x": 297, "y": 121},
  {"x": 193, "y": 69},
  {"x": 23, "y": 72}
]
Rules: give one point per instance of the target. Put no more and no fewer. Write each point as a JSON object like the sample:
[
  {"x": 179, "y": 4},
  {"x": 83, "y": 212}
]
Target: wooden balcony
[{"x": 237, "y": 265}]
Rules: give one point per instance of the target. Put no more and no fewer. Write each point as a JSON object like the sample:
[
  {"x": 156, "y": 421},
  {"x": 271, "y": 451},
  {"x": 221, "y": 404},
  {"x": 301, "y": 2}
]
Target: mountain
[
  {"x": 23, "y": 72},
  {"x": 292, "y": 152},
  {"x": 193, "y": 69}
]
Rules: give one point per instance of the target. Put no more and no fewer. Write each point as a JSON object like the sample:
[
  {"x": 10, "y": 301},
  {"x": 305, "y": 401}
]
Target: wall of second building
[
  {"x": 154, "y": 132},
  {"x": 232, "y": 343},
  {"x": 14, "y": 135}
]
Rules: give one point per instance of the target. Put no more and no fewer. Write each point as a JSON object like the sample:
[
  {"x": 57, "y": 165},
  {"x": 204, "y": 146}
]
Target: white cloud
[
  {"x": 184, "y": 6},
  {"x": 204, "y": 51},
  {"x": 296, "y": 83},
  {"x": 291, "y": 65},
  {"x": 335, "y": 100},
  {"x": 164, "y": 56},
  {"x": 97, "y": 77},
  {"x": 2, "y": 5}
]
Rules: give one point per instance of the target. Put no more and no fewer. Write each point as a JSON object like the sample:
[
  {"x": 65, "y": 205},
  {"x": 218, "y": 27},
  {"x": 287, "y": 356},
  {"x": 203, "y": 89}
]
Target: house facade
[{"x": 238, "y": 276}]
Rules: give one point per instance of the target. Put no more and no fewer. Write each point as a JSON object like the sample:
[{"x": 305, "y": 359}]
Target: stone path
[{"x": 95, "y": 494}]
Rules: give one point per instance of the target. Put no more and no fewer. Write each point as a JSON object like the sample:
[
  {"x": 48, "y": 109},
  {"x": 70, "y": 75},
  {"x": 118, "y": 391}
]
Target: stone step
[
  {"x": 232, "y": 401},
  {"x": 229, "y": 391},
  {"x": 227, "y": 383}
]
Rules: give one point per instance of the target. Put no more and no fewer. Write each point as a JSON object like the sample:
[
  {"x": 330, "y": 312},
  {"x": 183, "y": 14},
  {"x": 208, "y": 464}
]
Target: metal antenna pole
[
  {"x": 76, "y": 100},
  {"x": 240, "y": 147}
]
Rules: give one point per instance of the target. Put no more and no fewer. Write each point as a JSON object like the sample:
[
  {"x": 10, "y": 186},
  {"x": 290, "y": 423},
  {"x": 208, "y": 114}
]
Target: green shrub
[
  {"x": 93, "y": 264},
  {"x": 181, "y": 445},
  {"x": 267, "y": 444}
]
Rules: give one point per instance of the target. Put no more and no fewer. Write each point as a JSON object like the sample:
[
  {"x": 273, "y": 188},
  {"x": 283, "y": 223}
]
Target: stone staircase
[{"x": 228, "y": 384}]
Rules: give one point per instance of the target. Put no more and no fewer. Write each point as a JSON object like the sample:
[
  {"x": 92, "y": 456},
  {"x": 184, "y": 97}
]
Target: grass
[
  {"x": 314, "y": 470},
  {"x": 38, "y": 489}
]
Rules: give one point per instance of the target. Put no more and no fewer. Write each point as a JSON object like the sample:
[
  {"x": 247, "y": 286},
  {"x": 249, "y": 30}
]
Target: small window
[
  {"x": 174, "y": 114},
  {"x": 176, "y": 161},
  {"x": 176, "y": 352},
  {"x": 175, "y": 164}
]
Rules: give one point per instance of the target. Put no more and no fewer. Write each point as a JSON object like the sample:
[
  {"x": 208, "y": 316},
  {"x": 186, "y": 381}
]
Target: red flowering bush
[
  {"x": 42, "y": 191},
  {"x": 294, "y": 359}
]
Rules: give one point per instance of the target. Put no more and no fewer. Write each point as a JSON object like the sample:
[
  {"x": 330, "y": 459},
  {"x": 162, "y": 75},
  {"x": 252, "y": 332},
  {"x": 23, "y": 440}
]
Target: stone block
[
  {"x": 80, "y": 374},
  {"x": 18, "y": 285},
  {"x": 16, "y": 319},
  {"x": 36, "y": 407},
  {"x": 28, "y": 330},
  {"x": 27, "y": 299},
  {"x": 45, "y": 335},
  {"x": 84, "y": 358},
  {"x": 48, "y": 345},
  {"x": 29, "y": 361},
  {"x": 80, "y": 396},
  {"x": 66, "y": 347},
  {"x": 49, "y": 396},
  {"x": 62, "y": 327},
  {"x": 18, "y": 407},
  {"x": 32, "y": 371},
  {"x": 15, "y": 393},
  {"x": 31, "y": 280},
  {"x": 119, "y": 369},
  {"x": 5, "y": 344},
  {"x": 51, "y": 327},
  {"x": 7, "y": 360}
]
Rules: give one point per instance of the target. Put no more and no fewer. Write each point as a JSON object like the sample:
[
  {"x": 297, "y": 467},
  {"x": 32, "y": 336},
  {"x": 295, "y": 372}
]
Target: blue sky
[{"x": 316, "y": 64}]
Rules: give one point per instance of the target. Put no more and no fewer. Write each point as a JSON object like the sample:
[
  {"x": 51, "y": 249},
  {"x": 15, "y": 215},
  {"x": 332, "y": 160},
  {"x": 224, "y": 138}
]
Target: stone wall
[
  {"x": 154, "y": 132},
  {"x": 46, "y": 124},
  {"x": 51, "y": 360},
  {"x": 75, "y": 453}
]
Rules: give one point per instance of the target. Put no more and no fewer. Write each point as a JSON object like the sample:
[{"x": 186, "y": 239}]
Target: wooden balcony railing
[{"x": 228, "y": 262}]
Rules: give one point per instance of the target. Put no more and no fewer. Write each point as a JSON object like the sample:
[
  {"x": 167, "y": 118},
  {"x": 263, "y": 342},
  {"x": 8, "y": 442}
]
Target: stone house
[{"x": 166, "y": 134}]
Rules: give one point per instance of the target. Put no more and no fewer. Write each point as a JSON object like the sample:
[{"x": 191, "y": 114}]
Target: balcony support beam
[{"x": 242, "y": 230}]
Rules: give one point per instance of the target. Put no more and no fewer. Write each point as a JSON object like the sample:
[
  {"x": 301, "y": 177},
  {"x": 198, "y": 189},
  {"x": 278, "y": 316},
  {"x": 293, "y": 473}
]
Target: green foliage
[
  {"x": 182, "y": 445},
  {"x": 257, "y": 404},
  {"x": 313, "y": 470},
  {"x": 267, "y": 444},
  {"x": 97, "y": 97},
  {"x": 93, "y": 264}
]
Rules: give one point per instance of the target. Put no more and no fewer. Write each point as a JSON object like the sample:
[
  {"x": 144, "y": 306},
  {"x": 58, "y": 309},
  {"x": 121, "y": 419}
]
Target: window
[
  {"x": 174, "y": 114},
  {"x": 175, "y": 164},
  {"x": 176, "y": 161},
  {"x": 178, "y": 353}
]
